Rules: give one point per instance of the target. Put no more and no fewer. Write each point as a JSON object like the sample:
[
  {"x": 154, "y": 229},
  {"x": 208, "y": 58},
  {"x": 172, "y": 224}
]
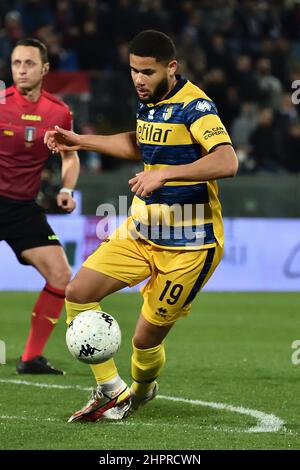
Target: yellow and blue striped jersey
[{"x": 179, "y": 130}]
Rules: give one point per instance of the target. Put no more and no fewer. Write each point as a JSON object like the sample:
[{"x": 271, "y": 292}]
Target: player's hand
[
  {"x": 65, "y": 202},
  {"x": 145, "y": 182},
  {"x": 60, "y": 140}
]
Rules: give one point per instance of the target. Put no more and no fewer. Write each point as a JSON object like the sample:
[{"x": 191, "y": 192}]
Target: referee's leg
[{"x": 52, "y": 264}]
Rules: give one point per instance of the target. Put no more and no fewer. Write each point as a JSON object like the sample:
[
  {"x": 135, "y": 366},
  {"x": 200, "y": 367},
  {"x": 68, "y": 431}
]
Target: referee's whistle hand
[{"x": 65, "y": 202}]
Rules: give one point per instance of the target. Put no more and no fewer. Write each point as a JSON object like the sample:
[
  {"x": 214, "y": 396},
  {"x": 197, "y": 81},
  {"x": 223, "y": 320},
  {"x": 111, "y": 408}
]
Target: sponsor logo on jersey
[
  {"x": 151, "y": 114},
  {"x": 203, "y": 106},
  {"x": 148, "y": 132},
  {"x": 214, "y": 131},
  {"x": 167, "y": 113},
  {"x": 31, "y": 117},
  {"x": 8, "y": 132}
]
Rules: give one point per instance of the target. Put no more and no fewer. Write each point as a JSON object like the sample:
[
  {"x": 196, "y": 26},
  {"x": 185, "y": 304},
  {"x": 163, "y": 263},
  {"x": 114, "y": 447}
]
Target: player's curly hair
[{"x": 151, "y": 43}]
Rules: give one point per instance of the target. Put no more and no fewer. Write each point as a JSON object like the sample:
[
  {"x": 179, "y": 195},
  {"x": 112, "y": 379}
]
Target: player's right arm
[{"x": 122, "y": 145}]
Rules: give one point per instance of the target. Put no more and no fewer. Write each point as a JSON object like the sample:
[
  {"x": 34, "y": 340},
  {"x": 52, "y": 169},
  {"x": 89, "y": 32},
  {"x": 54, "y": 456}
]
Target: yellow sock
[
  {"x": 102, "y": 372},
  {"x": 73, "y": 309},
  {"x": 146, "y": 365},
  {"x": 105, "y": 371}
]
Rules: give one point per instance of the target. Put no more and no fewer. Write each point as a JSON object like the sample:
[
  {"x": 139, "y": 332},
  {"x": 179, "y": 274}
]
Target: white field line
[
  {"x": 27, "y": 418},
  {"x": 265, "y": 422},
  {"x": 128, "y": 423}
]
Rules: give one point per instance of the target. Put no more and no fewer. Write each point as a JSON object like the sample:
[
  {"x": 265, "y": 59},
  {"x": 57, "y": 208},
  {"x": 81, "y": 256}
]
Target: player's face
[
  {"x": 27, "y": 67},
  {"x": 152, "y": 79}
]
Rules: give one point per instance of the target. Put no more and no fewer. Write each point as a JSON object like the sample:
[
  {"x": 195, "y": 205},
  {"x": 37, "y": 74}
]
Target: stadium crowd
[{"x": 244, "y": 54}]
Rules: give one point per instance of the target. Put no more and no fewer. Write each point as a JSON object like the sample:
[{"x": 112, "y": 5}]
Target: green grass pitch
[{"x": 234, "y": 349}]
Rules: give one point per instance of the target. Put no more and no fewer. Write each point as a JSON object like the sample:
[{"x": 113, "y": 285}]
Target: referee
[{"x": 28, "y": 111}]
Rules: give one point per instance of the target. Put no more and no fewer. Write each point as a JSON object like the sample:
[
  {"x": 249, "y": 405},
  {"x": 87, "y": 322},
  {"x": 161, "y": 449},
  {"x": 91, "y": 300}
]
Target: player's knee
[
  {"x": 74, "y": 293},
  {"x": 138, "y": 343},
  {"x": 60, "y": 277},
  {"x": 143, "y": 341},
  {"x": 148, "y": 335}
]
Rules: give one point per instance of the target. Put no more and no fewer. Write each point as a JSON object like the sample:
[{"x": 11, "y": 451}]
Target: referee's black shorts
[{"x": 23, "y": 225}]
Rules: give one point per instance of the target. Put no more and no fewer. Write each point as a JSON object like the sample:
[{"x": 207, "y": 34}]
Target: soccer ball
[{"x": 93, "y": 337}]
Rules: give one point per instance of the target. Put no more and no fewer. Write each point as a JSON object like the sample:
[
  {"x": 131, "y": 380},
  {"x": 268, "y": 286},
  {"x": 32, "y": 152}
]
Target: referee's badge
[
  {"x": 167, "y": 113},
  {"x": 30, "y": 135}
]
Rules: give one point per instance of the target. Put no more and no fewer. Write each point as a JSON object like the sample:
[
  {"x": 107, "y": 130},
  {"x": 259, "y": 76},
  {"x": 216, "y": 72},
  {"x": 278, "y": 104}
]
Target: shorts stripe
[
  {"x": 201, "y": 278},
  {"x": 177, "y": 236}
]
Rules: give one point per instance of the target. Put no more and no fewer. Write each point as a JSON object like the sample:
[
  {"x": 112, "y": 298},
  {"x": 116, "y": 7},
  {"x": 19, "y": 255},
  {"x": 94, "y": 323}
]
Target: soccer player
[
  {"x": 184, "y": 147},
  {"x": 26, "y": 112}
]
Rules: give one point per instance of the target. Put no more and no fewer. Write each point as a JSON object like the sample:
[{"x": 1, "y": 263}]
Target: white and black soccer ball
[{"x": 93, "y": 336}]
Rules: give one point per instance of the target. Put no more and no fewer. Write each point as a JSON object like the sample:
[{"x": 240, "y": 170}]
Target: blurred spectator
[
  {"x": 64, "y": 15},
  {"x": 9, "y": 35},
  {"x": 241, "y": 130},
  {"x": 292, "y": 148},
  {"x": 287, "y": 112},
  {"x": 254, "y": 21},
  {"x": 126, "y": 22},
  {"x": 291, "y": 21},
  {"x": 232, "y": 106},
  {"x": 217, "y": 15},
  {"x": 91, "y": 47},
  {"x": 269, "y": 86},
  {"x": 218, "y": 54},
  {"x": 264, "y": 149},
  {"x": 154, "y": 16},
  {"x": 239, "y": 52},
  {"x": 191, "y": 57},
  {"x": 244, "y": 79},
  {"x": 92, "y": 161},
  {"x": 35, "y": 13},
  {"x": 216, "y": 86},
  {"x": 281, "y": 58},
  {"x": 194, "y": 26},
  {"x": 59, "y": 58}
]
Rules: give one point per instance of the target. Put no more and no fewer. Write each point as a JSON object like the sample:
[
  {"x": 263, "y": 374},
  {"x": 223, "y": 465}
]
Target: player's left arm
[
  {"x": 220, "y": 162},
  {"x": 69, "y": 175},
  {"x": 208, "y": 130}
]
